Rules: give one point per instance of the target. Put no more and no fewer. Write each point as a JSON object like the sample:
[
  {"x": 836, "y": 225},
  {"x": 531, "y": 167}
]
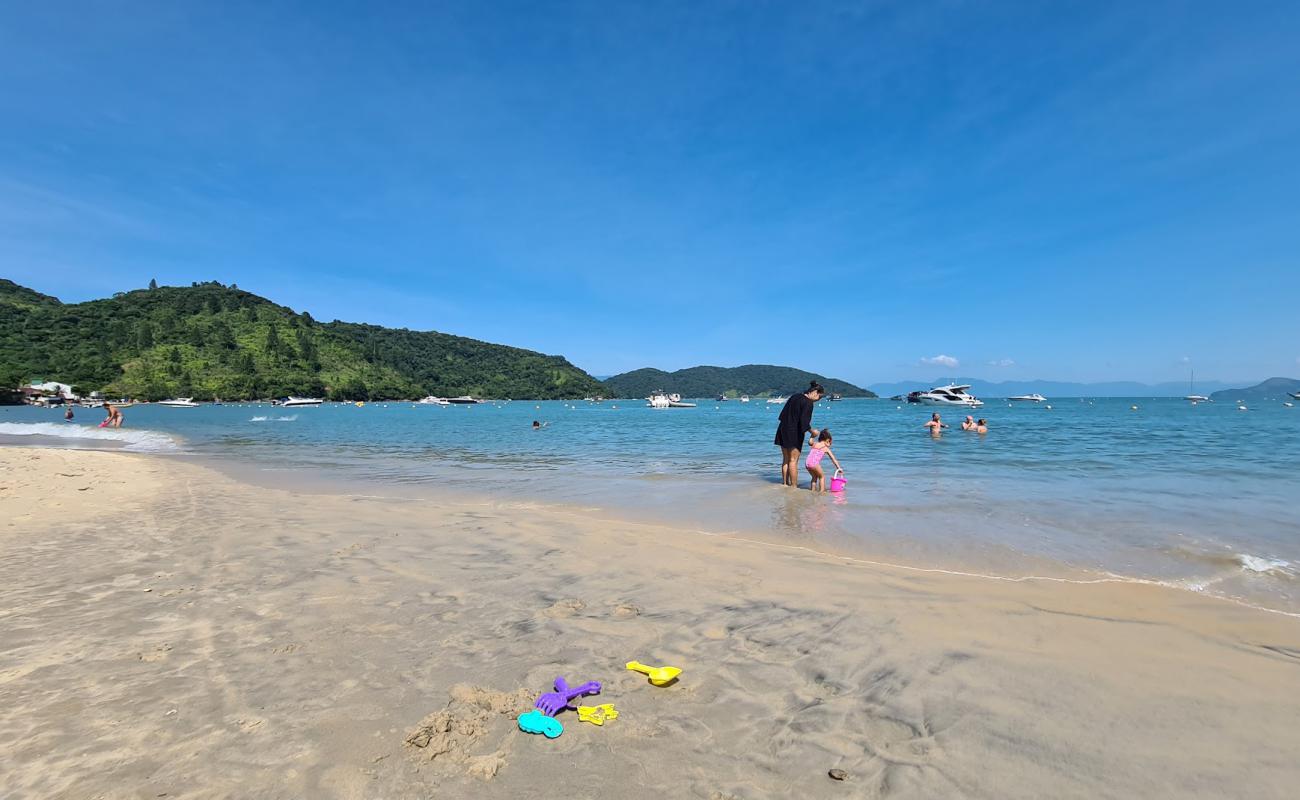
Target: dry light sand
[{"x": 169, "y": 632}]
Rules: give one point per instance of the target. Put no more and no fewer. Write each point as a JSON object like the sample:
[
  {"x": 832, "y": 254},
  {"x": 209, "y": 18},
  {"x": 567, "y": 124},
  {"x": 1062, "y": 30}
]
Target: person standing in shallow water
[{"x": 794, "y": 423}]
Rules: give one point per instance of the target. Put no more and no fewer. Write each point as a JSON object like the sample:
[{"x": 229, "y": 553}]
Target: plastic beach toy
[
  {"x": 838, "y": 483},
  {"x": 659, "y": 676},
  {"x": 536, "y": 722},
  {"x": 554, "y": 702},
  {"x": 597, "y": 715}
]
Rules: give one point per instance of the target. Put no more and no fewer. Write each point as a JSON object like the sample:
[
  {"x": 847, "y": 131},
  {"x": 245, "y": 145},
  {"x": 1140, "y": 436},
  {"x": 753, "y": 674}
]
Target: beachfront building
[{"x": 43, "y": 392}]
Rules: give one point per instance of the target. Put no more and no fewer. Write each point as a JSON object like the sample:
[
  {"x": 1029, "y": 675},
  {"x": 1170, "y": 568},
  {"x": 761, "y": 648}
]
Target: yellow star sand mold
[{"x": 597, "y": 715}]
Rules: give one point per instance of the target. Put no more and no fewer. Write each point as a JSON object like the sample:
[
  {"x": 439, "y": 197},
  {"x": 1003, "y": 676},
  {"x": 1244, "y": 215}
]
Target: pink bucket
[{"x": 838, "y": 483}]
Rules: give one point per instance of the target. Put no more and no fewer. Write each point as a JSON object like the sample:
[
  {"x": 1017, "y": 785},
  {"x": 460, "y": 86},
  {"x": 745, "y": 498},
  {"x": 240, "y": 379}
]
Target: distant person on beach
[
  {"x": 794, "y": 423},
  {"x": 981, "y": 426},
  {"x": 67, "y": 414},
  {"x": 821, "y": 446},
  {"x": 114, "y": 418},
  {"x": 935, "y": 424},
  {"x": 969, "y": 424}
]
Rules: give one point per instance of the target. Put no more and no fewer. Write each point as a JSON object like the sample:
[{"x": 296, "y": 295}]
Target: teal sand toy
[{"x": 535, "y": 721}]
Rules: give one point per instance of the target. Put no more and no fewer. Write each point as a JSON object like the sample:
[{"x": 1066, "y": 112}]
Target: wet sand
[{"x": 168, "y": 631}]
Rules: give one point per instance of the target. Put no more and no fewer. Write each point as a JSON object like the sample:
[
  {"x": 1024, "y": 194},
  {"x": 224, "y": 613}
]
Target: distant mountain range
[
  {"x": 756, "y": 380},
  {"x": 1271, "y": 389},
  {"x": 983, "y": 388}
]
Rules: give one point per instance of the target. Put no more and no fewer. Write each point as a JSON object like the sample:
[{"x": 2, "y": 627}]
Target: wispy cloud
[
  {"x": 1002, "y": 362},
  {"x": 941, "y": 361}
]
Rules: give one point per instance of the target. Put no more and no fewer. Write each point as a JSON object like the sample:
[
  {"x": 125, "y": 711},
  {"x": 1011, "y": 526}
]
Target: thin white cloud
[
  {"x": 1002, "y": 362},
  {"x": 941, "y": 361}
]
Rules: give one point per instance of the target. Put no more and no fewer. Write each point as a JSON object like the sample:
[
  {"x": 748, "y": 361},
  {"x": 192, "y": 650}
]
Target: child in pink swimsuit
[{"x": 820, "y": 448}]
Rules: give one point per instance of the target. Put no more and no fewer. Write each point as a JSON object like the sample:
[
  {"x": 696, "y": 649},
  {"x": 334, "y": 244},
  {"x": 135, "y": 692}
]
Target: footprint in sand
[
  {"x": 564, "y": 608},
  {"x": 626, "y": 611},
  {"x": 157, "y": 654}
]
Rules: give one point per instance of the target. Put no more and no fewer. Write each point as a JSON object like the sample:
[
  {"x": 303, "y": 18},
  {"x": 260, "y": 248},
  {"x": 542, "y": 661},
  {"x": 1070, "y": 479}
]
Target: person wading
[{"x": 793, "y": 424}]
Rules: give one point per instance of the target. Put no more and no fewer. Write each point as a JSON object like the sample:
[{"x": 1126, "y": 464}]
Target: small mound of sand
[{"x": 455, "y": 736}]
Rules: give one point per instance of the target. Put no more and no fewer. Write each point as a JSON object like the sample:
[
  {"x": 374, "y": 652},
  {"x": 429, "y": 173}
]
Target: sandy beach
[{"x": 167, "y": 631}]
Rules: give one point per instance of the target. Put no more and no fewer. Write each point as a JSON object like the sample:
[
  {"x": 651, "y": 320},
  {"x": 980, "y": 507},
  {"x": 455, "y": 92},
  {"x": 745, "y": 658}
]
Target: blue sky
[{"x": 1071, "y": 191}]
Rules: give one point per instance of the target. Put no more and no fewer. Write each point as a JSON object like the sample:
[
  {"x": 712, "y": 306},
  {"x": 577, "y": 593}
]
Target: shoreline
[{"x": 305, "y": 637}]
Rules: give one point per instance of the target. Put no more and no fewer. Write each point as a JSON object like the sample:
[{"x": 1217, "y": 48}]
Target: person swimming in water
[
  {"x": 981, "y": 426},
  {"x": 935, "y": 425},
  {"x": 968, "y": 424}
]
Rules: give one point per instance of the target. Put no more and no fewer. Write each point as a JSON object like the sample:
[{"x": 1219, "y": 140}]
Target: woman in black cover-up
[{"x": 794, "y": 423}]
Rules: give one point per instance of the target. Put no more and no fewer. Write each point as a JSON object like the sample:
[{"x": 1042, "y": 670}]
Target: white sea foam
[
  {"x": 289, "y": 418},
  {"x": 133, "y": 439},
  {"x": 1262, "y": 565}
]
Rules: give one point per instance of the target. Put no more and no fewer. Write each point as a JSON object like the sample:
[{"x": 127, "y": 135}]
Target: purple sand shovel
[{"x": 552, "y": 703}]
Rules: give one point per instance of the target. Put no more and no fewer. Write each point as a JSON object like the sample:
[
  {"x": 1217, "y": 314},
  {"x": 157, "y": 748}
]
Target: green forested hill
[
  {"x": 209, "y": 340},
  {"x": 751, "y": 379}
]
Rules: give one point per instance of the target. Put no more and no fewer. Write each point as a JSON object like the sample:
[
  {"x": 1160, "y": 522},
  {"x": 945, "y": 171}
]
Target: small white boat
[
  {"x": 1192, "y": 396},
  {"x": 298, "y": 402},
  {"x": 1029, "y": 398},
  {"x": 179, "y": 402},
  {"x": 434, "y": 401},
  {"x": 744, "y": 398},
  {"x": 777, "y": 400},
  {"x": 950, "y": 395},
  {"x": 661, "y": 400},
  {"x": 464, "y": 400}
]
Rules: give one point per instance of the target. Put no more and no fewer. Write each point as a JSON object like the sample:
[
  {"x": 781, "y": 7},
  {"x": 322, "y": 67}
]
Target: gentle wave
[
  {"x": 289, "y": 418},
  {"x": 1274, "y": 566},
  {"x": 133, "y": 439}
]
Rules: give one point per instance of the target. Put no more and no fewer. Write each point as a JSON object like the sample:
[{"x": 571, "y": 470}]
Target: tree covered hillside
[
  {"x": 752, "y": 379},
  {"x": 210, "y": 340}
]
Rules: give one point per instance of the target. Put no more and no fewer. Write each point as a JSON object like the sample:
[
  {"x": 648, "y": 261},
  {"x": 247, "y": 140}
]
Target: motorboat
[
  {"x": 179, "y": 402},
  {"x": 1294, "y": 395},
  {"x": 434, "y": 401},
  {"x": 772, "y": 401},
  {"x": 835, "y": 397},
  {"x": 951, "y": 395},
  {"x": 1029, "y": 398},
  {"x": 298, "y": 402},
  {"x": 661, "y": 400},
  {"x": 722, "y": 398},
  {"x": 744, "y": 398},
  {"x": 464, "y": 400}
]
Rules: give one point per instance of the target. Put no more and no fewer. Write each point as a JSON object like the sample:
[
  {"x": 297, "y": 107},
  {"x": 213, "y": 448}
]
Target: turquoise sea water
[{"x": 1203, "y": 497}]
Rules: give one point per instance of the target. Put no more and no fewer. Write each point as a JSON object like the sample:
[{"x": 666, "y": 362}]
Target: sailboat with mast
[{"x": 1191, "y": 391}]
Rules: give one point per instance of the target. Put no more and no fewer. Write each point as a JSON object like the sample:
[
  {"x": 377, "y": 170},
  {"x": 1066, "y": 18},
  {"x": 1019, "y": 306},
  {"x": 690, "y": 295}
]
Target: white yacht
[
  {"x": 1029, "y": 398},
  {"x": 661, "y": 400},
  {"x": 950, "y": 395},
  {"x": 179, "y": 402},
  {"x": 435, "y": 401},
  {"x": 295, "y": 402},
  {"x": 744, "y": 398},
  {"x": 777, "y": 400},
  {"x": 1294, "y": 395},
  {"x": 464, "y": 400}
]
